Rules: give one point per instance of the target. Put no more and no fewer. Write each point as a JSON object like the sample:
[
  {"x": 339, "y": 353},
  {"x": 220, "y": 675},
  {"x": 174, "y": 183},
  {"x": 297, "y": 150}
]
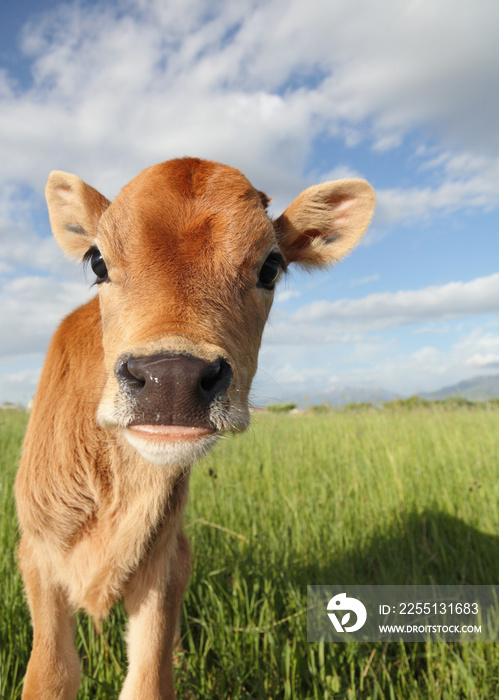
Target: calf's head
[{"x": 186, "y": 261}]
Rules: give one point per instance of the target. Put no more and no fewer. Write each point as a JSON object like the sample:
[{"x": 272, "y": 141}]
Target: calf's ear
[
  {"x": 74, "y": 211},
  {"x": 325, "y": 222}
]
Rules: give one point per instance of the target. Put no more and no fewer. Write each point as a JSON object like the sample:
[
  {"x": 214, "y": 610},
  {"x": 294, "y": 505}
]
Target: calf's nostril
[
  {"x": 130, "y": 372},
  {"x": 215, "y": 378},
  {"x": 210, "y": 377}
]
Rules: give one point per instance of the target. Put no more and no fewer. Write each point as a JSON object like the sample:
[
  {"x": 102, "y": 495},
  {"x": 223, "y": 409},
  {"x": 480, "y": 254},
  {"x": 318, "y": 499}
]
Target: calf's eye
[
  {"x": 99, "y": 268},
  {"x": 270, "y": 271}
]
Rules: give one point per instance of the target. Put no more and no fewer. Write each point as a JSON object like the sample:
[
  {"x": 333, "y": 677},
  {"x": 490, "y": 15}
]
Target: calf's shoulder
[{"x": 64, "y": 450}]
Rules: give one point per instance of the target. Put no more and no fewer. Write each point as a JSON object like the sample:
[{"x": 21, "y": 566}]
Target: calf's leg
[
  {"x": 54, "y": 667},
  {"x": 152, "y": 602}
]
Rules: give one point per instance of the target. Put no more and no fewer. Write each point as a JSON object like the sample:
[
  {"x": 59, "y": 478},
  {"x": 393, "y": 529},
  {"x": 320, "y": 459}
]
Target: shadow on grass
[
  {"x": 423, "y": 548},
  {"x": 226, "y": 629},
  {"x": 420, "y": 548}
]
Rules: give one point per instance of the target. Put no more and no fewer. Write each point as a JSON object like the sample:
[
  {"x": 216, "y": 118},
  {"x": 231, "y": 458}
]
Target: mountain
[{"x": 475, "y": 389}]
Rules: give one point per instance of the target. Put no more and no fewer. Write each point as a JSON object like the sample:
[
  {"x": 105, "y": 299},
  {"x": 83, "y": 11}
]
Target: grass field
[{"x": 368, "y": 497}]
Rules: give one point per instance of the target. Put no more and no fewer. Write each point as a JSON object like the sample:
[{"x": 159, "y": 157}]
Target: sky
[{"x": 293, "y": 93}]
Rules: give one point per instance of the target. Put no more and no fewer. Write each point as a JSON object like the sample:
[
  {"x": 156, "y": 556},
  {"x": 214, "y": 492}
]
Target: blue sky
[{"x": 404, "y": 94}]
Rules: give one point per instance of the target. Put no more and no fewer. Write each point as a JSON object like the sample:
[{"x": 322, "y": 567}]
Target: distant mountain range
[{"x": 475, "y": 389}]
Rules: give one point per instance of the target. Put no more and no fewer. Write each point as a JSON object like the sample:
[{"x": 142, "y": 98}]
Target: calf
[{"x": 139, "y": 383}]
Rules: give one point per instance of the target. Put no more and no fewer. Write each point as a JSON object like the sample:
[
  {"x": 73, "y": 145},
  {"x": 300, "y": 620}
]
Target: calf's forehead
[{"x": 192, "y": 206}]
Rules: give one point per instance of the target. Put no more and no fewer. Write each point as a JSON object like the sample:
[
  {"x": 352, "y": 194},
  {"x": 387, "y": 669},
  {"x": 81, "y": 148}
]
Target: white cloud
[
  {"x": 32, "y": 307},
  {"x": 21, "y": 247},
  {"x": 465, "y": 184},
  {"x": 430, "y": 368},
  {"x": 340, "y": 172},
  {"x": 24, "y": 378},
  {"x": 383, "y": 364},
  {"x": 116, "y": 87},
  {"x": 284, "y": 295},
  {"x": 479, "y": 349},
  {"x": 483, "y": 361},
  {"x": 353, "y": 341},
  {"x": 392, "y": 309},
  {"x": 364, "y": 280}
]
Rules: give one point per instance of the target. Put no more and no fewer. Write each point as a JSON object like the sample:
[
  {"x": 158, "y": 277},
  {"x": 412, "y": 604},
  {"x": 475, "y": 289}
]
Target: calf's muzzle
[{"x": 169, "y": 389}]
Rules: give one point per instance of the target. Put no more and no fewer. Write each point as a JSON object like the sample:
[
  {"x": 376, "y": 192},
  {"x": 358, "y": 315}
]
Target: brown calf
[{"x": 139, "y": 383}]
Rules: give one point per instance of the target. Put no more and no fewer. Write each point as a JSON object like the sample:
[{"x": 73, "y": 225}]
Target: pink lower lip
[{"x": 170, "y": 432}]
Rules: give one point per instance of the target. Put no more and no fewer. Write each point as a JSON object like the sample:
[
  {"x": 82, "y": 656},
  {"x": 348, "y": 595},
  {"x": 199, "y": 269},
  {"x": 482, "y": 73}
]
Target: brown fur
[{"x": 183, "y": 243}]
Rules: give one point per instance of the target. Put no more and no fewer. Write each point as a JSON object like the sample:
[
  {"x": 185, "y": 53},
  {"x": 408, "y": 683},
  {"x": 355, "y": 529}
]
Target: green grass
[{"x": 368, "y": 497}]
